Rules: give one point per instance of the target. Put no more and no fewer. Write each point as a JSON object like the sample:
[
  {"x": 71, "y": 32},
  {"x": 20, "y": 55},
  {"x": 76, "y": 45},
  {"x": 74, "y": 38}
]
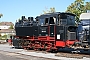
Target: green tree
[
  {"x": 77, "y": 8},
  {"x": 50, "y": 10},
  {"x": 11, "y": 27},
  {"x": 87, "y": 6},
  {"x": 1, "y": 15}
]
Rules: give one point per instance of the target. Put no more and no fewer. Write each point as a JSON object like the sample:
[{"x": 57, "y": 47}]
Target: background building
[{"x": 6, "y": 29}]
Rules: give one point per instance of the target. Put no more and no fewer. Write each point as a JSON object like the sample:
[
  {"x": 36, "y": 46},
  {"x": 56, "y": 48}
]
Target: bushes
[{"x": 4, "y": 37}]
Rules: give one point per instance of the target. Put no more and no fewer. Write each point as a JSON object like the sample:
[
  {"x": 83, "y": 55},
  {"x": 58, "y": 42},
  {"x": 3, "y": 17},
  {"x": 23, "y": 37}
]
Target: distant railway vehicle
[{"x": 84, "y": 29}]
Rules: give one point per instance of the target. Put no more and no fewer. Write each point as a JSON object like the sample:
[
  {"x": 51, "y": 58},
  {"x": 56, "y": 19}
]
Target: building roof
[
  {"x": 6, "y": 24},
  {"x": 85, "y": 16},
  {"x": 7, "y": 31}
]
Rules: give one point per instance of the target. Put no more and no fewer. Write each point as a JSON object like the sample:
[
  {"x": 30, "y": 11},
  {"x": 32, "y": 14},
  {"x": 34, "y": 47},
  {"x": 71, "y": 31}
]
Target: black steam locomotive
[{"x": 48, "y": 32}]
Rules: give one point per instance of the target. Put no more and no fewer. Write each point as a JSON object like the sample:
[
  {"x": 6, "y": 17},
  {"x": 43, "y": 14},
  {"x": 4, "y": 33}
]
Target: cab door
[{"x": 52, "y": 30}]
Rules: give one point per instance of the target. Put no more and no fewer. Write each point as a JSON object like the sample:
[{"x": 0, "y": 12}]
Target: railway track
[
  {"x": 70, "y": 55},
  {"x": 58, "y": 55},
  {"x": 62, "y": 54}
]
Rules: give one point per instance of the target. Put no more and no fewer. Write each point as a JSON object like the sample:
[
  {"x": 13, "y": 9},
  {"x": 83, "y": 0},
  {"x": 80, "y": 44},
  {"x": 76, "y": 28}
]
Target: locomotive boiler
[{"x": 48, "y": 32}]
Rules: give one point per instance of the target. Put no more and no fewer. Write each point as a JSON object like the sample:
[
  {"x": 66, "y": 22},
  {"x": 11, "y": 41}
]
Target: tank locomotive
[{"x": 48, "y": 32}]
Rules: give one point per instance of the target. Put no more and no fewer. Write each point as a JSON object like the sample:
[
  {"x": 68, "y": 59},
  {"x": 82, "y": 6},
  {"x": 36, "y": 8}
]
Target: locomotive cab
[{"x": 66, "y": 31}]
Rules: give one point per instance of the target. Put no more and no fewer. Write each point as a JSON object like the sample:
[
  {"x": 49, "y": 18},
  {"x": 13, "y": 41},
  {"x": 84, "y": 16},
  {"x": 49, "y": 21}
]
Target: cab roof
[{"x": 53, "y": 14}]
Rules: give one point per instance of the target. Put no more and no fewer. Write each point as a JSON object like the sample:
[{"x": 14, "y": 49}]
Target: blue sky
[{"x": 14, "y": 9}]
